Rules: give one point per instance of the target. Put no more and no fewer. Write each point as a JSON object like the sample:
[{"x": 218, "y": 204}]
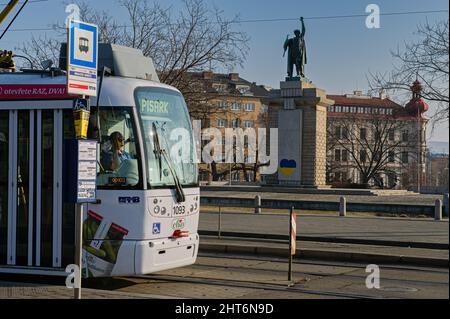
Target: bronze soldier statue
[{"x": 297, "y": 52}]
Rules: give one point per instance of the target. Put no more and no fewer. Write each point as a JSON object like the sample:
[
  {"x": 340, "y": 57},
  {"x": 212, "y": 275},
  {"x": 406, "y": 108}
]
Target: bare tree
[
  {"x": 39, "y": 49},
  {"x": 428, "y": 60},
  {"x": 196, "y": 38},
  {"x": 375, "y": 147}
]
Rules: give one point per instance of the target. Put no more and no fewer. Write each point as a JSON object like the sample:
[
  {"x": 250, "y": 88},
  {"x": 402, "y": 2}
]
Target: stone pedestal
[{"x": 299, "y": 112}]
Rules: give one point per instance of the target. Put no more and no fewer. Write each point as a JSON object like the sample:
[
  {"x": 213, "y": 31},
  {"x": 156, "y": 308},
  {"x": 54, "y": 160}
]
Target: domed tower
[{"x": 416, "y": 108}]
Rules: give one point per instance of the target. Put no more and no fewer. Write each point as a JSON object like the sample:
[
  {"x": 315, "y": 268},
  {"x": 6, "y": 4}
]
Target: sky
[{"x": 341, "y": 52}]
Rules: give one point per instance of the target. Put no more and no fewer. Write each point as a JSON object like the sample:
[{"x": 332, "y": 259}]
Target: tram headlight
[
  {"x": 156, "y": 210},
  {"x": 195, "y": 206},
  {"x": 163, "y": 211}
]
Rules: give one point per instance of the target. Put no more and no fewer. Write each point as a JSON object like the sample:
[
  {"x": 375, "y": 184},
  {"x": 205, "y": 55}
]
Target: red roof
[
  {"x": 343, "y": 100},
  {"x": 399, "y": 112}
]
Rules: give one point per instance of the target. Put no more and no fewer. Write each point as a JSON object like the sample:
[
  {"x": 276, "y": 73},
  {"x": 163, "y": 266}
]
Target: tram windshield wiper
[
  {"x": 162, "y": 153},
  {"x": 157, "y": 151}
]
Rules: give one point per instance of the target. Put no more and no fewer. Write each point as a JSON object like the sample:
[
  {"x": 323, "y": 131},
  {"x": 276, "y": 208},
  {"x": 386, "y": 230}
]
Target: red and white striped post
[{"x": 292, "y": 240}]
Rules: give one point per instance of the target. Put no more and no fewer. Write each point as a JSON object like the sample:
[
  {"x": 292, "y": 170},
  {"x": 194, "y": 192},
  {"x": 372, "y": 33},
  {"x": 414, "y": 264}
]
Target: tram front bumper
[{"x": 163, "y": 254}]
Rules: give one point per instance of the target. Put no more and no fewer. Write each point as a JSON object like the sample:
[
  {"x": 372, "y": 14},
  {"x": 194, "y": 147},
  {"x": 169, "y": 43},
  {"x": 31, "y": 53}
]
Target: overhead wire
[{"x": 264, "y": 20}]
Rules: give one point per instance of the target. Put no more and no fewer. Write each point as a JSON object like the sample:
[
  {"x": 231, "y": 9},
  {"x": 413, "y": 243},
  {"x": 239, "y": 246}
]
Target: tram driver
[{"x": 114, "y": 158}]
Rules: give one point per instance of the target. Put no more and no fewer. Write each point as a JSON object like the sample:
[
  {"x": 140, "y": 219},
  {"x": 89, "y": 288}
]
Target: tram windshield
[{"x": 170, "y": 151}]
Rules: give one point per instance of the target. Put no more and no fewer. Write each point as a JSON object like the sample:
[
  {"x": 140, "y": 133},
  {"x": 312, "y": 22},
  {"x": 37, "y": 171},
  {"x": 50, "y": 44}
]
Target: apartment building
[
  {"x": 373, "y": 141},
  {"x": 232, "y": 102}
]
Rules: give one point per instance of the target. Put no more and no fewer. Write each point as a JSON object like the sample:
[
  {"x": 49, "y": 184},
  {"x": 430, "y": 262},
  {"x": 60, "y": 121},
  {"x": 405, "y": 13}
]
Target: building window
[
  {"x": 249, "y": 107},
  {"x": 363, "y": 156},
  {"x": 378, "y": 136},
  {"x": 405, "y": 136},
  {"x": 344, "y": 155},
  {"x": 222, "y": 123},
  {"x": 236, "y": 176},
  {"x": 243, "y": 89},
  {"x": 337, "y": 155},
  {"x": 264, "y": 108},
  {"x": 204, "y": 176},
  {"x": 220, "y": 87},
  {"x": 344, "y": 133},
  {"x": 337, "y": 132},
  {"x": 363, "y": 133},
  {"x": 391, "y": 156},
  {"x": 341, "y": 133},
  {"x": 377, "y": 156},
  {"x": 341, "y": 177},
  {"x": 392, "y": 180},
  {"x": 223, "y": 105},
  {"x": 236, "y": 106},
  {"x": 391, "y": 135},
  {"x": 236, "y": 123},
  {"x": 405, "y": 157},
  {"x": 248, "y": 124}
]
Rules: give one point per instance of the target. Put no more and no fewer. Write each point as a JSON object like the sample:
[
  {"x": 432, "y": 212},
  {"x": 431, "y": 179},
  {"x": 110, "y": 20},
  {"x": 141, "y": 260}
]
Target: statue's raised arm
[{"x": 303, "y": 27}]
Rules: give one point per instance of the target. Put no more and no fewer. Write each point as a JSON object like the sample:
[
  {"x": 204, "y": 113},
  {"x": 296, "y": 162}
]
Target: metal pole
[
  {"x": 343, "y": 207},
  {"x": 290, "y": 244},
  {"x": 220, "y": 222},
  {"x": 78, "y": 248},
  {"x": 258, "y": 204},
  {"x": 438, "y": 210}
]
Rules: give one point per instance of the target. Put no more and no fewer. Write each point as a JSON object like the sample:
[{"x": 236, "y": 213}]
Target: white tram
[{"x": 147, "y": 213}]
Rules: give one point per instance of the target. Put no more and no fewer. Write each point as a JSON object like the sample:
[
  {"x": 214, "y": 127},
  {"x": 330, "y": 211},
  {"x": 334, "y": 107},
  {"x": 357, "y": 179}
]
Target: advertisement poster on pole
[{"x": 82, "y": 58}]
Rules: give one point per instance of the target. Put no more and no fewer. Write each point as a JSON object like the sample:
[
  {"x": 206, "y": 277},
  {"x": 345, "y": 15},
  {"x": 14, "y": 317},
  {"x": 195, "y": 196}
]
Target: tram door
[{"x": 32, "y": 212}]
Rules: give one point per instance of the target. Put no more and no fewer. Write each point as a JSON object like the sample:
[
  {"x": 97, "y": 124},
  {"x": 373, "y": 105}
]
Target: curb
[
  {"x": 325, "y": 255},
  {"x": 335, "y": 240}
]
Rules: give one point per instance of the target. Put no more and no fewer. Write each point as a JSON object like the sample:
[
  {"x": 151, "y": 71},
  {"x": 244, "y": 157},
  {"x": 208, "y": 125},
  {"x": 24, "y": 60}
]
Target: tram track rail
[
  {"x": 254, "y": 285},
  {"x": 343, "y": 275},
  {"x": 342, "y": 264},
  {"x": 411, "y": 285}
]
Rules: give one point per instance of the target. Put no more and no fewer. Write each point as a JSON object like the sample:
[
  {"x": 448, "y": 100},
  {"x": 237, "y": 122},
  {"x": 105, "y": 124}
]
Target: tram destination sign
[{"x": 82, "y": 53}]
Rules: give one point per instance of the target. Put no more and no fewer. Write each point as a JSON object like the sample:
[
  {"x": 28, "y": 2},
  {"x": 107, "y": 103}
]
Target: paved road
[
  {"x": 373, "y": 228},
  {"x": 238, "y": 277},
  {"x": 409, "y": 199}
]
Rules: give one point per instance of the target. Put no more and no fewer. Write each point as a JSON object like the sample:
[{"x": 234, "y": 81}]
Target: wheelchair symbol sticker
[{"x": 156, "y": 228}]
